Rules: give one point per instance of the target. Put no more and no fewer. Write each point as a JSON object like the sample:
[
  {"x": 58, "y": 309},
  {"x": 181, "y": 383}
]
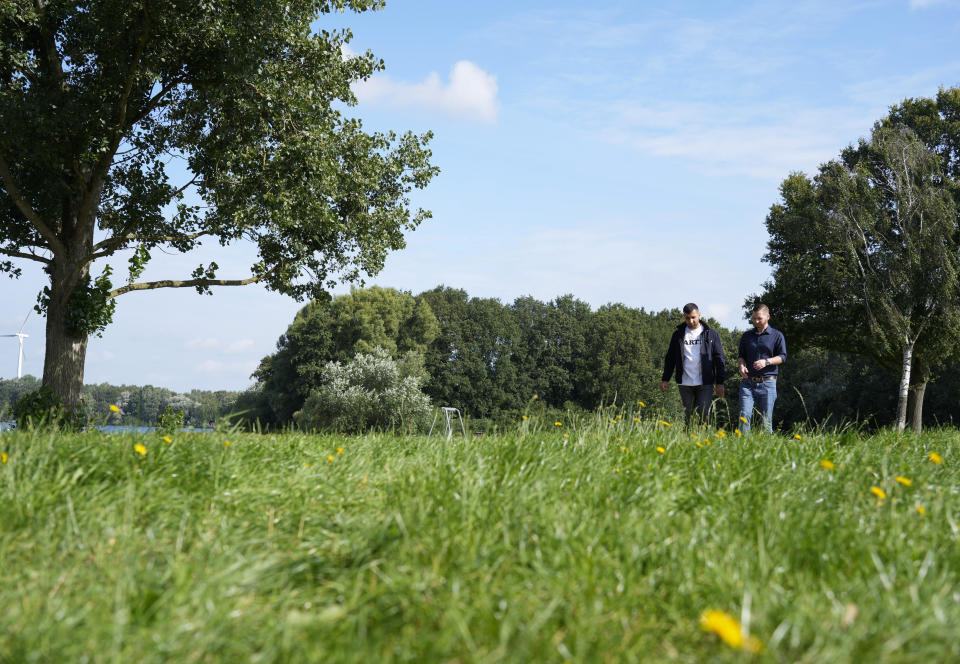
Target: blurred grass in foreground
[{"x": 560, "y": 541}]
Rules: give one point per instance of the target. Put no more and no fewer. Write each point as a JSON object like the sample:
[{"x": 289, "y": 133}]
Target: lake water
[{"x": 116, "y": 428}]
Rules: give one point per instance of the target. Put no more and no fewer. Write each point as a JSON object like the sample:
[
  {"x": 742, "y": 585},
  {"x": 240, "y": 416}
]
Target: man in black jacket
[{"x": 695, "y": 356}]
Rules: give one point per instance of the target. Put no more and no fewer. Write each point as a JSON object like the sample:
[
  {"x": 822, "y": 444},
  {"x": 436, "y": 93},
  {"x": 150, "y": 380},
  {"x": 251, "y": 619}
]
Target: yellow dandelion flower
[
  {"x": 738, "y": 432},
  {"x": 706, "y": 440},
  {"x": 721, "y": 434},
  {"x": 827, "y": 464},
  {"x": 226, "y": 443},
  {"x": 936, "y": 458},
  {"x": 921, "y": 510},
  {"x": 558, "y": 424},
  {"x": 339, "y": 450},
  {"x": 523, "y": 417},
  {"x": 167, "y": 439},
  {"x": 3, "y": 457},
  {"x": 330, "y": 458},
  {"x": 114, "y": 408},
  {"x": 664, "y": 423},
  {"x": 699, "y": 444},
  {"x": 797, "y": 436},
  {"x": 743, "y": 419},
  {"x": 619, "y": 439},
  {"x": 642, "y": 405},
  {"x": 306, "y": 464},
  {"x": 905, "y": 481},
  {"x": 613, "y": 421},
  {"x": 140, "y": 449},
  {"x": 636, "y": 419},
  {"x": 616, "y": 470},
  {"x": 728, "y": 629},
  {"x": 878, "y": 492},
  {"x": 535, "y": 396},
  {"x": 566, "y": 435},
  {"x": 661, "y": 450}
]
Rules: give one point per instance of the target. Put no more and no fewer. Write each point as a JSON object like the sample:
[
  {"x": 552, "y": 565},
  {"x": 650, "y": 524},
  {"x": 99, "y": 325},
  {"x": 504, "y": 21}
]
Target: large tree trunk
[
  {"x": 66, "y": 352},
  {"x": 904, "y": 392},
  {"x": 916, "y": 414}
]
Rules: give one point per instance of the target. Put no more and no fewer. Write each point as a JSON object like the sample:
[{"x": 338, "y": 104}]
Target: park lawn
[{"x": 579, "y": 541}]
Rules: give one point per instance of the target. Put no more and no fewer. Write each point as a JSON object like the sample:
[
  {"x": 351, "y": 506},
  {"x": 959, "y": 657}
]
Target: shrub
[
  {"x": 169, "y": 420},
  {"x": 372, "y": 391},
  {"x": 42, "y": 407}
]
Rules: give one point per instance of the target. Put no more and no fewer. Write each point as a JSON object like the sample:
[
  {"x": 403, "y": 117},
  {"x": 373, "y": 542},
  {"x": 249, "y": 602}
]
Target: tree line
[
  {"x": 490, "y": 358},
  {"x": 137, "y": 404}
]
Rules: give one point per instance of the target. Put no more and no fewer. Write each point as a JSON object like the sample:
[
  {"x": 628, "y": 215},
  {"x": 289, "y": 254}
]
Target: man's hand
[
  {"x": 760, "y": 364},
  {"x": 743, "y": 370},
  {"x": 721, "y": 391},
  {"x": 664, "y": 385}
]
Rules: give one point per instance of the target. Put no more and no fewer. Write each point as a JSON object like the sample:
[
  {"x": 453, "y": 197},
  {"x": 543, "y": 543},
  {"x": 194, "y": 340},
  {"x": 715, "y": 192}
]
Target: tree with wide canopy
[{"x": 129, "y": 127}]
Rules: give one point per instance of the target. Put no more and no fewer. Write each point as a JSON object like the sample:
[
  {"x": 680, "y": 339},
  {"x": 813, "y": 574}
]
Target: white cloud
[
  {"x": 207, "y": 343},
  {"x": 243, "y": 368},
  {"x": 211, "y": 366},
  {"x": 923, "y": 4},
  {"x": 239, "y": 346},
  {"x": 765, "y": 142},
  {"x": 634, "y": 260},
  {"x": 471, "y": 93}
]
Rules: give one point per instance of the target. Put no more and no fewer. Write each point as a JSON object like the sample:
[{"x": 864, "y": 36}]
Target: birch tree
[{"x": 866, "y": 258}]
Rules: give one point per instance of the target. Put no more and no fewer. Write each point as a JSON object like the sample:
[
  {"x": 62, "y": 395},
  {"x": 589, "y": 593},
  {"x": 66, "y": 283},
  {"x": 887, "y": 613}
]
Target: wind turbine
[{"x": 20, "y": 336}]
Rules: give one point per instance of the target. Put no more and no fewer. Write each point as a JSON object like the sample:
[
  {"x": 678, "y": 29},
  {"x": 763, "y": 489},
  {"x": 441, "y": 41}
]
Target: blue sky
[{"x": 625, "y": 152}]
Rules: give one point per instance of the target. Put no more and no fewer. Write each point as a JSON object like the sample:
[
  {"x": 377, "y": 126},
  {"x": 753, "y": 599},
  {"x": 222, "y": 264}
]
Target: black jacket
[{"x": 713, "y": 365}]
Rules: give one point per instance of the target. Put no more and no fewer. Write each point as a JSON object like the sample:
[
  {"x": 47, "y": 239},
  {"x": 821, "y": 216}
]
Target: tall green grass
[{"x": 580, "y": 542}]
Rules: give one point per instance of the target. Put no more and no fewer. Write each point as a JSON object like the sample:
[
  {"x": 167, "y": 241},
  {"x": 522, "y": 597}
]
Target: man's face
[
  {"x": 693, "y": 319},
  {"x": 760, "y": 319}
]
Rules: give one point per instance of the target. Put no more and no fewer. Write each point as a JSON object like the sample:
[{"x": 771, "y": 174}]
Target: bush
[
  {"x": 42, "y": 408},
  {"x": 372, "y": 391},
  {"x": 169, "y": 420}
]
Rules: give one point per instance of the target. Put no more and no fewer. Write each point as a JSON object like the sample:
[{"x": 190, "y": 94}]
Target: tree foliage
[
  {"x": 156, "y": 125},
  {"x": 866, "y": 255},
  {"x": 372, "y": 391},
  {"x": 335, "y": 331}
]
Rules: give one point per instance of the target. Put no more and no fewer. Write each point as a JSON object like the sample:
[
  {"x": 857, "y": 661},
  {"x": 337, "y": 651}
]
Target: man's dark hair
[
  {"x": 690, "y": 307},
  {"x": 760, "y": 306}
]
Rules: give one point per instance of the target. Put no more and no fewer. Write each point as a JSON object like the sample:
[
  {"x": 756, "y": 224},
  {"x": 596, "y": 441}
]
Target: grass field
[{"x": 583, "y": 542}]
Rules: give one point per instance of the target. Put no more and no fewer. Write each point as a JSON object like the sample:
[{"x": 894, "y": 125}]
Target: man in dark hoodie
[{"x": 695, "y": 357}]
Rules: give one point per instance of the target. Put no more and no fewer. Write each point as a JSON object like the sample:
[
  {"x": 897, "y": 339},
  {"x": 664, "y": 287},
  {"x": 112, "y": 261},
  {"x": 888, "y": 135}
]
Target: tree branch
[
  {"x": 107, "y": 247},
  {"x": 27, "y": 210},
  {"x": 49, "y": 42},
  {"x": 155, "y": 101},
  {"x": 106, "y": 159},
  {"x": 28, "y": 256},
  {"x": 170, "y": 283}
]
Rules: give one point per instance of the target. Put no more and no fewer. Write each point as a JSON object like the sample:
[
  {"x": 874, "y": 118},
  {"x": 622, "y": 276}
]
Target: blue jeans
[{"x": 763, "y": 395}]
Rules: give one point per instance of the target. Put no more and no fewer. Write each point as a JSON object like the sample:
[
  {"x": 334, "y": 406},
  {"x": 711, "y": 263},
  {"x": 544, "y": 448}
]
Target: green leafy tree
[
  {"x": 472, "y": 362},
  {"x": 616, "y": 364},
  {"x": 372, "y": 391},
  {"x": 866, "y": 258},
  {"x": 335, "y": 331},
  {"x": 550, "y": 342},
  {"x": 98, "y": 98}
]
